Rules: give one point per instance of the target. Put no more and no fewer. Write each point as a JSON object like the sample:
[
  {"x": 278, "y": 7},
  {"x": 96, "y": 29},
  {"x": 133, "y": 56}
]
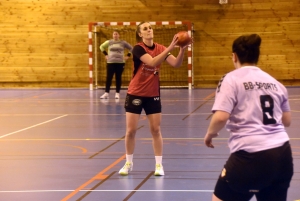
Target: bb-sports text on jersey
[{"x": 259, "y": 85}]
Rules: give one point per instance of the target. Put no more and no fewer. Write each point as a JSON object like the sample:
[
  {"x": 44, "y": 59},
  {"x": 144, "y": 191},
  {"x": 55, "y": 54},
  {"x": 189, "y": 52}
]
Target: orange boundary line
[
  {"x": 210, "y": 96},
  {"x": 97, "y": 176}
]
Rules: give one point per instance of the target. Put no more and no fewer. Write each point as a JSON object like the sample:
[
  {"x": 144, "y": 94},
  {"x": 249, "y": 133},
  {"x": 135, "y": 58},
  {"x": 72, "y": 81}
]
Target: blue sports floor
[{"x": 67, "y": 144}]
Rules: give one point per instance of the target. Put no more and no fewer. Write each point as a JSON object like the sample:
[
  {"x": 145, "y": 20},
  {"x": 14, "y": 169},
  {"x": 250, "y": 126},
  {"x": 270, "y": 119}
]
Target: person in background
[
  {"x": 144, "y": 92},
  {"x": 254, "y": 107},
  {"x": 115, "y": 62}
]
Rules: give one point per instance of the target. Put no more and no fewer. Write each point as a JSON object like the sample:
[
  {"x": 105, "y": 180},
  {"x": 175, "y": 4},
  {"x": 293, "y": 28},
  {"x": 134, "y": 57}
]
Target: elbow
[
  {"x": 286, "y": 119},
  {"x": 286, "y": 124},
  {"x": 152, "y": 65},
  {"x": 177, "y": 64}
]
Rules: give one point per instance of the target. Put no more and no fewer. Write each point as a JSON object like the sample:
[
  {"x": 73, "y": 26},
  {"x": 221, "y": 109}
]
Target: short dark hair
[
  {"x": 116, "y": 30},
  {"x": 247, "y": 47}
]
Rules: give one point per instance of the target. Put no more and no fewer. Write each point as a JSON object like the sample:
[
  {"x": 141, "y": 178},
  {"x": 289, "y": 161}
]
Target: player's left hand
[{"x": 186, "y": 46}]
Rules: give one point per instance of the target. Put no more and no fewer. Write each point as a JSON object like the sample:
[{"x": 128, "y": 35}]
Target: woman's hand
[
  {"x": 208, "y": 139},
  {"x": 191, "y": 42},
  {"x": 174, "y": 42}
]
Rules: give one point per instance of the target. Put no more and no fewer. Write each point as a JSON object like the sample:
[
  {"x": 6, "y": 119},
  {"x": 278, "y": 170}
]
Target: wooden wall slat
[
  {"x": 42, "y": 71},
  {"x": 44, "y": 43},
  {"x": 41, "y": 62}
]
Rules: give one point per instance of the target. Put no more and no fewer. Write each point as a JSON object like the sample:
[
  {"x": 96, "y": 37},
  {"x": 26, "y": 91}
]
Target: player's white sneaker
[
  {"x": 104, "y": 96},
  {"x": 159, "y": 170},
  {"x": 117, "y": 96},
  {"x": 126, "y": 168}
]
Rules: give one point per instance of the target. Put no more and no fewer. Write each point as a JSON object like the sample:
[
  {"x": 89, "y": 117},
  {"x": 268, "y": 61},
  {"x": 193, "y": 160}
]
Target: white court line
[
  {"x": 32, "y": 126},
  {"x": 102, "y": 114},
  {"x": 111, "y": 139},
  {"x": 42, "y": 191},
  {"x": 106, "y": 139}
]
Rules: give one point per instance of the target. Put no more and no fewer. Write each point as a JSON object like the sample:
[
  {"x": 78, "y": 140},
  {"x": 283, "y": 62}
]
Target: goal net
[{"x": 170, "y": 77}]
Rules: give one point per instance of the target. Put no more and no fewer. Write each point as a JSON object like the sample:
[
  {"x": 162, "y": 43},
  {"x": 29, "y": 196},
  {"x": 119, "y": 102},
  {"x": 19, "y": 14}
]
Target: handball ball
[{"x": 183, "y": 38}]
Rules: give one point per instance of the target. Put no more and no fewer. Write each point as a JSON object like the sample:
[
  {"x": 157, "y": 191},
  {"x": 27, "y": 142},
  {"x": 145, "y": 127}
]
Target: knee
[
  {"x": 130, "y": 133},
  {"x": 155, "y": 132}
]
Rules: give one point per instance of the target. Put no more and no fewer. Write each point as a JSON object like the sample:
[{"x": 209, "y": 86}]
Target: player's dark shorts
[
  {"x": 135, "y": 104},
  {"x": 265, "y": 174}
]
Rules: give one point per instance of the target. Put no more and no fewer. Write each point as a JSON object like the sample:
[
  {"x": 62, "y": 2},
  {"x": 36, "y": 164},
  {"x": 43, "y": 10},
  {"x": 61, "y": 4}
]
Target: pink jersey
[
  {"x": 145, "y": 82},
  {"x": 256, "y": 102}
]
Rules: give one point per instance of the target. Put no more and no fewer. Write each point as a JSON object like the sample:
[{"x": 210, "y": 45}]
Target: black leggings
[{"x": 111, "y": 69}]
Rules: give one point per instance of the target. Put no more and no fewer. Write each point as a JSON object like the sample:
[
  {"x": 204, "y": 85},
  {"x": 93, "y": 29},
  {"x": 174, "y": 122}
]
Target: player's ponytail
[{"x": 137, "y": 31}]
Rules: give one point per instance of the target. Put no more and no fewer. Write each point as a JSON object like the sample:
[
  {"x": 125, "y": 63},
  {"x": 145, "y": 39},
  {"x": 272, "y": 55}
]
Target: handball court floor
[{"x": 67, "y": 144}]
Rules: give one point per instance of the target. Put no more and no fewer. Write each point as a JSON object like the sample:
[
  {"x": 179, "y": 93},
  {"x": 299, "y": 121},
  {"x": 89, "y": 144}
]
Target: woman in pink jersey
[
  {"x": 144, "y": 92},
  {"x": 254, "y": 107}
]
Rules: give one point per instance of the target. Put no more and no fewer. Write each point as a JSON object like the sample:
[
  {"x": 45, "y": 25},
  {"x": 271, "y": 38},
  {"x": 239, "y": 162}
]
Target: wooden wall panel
[{"x": 43, "y": 43}]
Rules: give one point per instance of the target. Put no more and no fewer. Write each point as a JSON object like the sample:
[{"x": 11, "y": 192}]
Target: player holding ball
[{"x": 144, "y": 91}]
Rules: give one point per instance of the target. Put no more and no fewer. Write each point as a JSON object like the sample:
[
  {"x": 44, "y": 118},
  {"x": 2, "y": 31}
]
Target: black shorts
[
  {"x": 135, "y": 104},
  {"x": 265, "y": 174}
]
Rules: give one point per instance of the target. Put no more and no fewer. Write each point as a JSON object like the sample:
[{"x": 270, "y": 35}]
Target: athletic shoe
[
  {"x": 126, "y": 168},
  {"x": 104, "y": 96},
  {"x": 159, "y": 170},
  {"x": 117, "y": 96}
]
